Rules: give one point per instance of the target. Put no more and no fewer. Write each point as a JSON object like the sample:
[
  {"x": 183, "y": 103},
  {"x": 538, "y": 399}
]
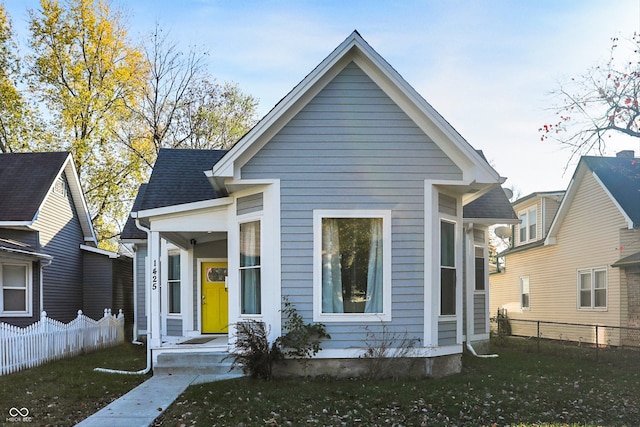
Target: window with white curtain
[
  {"x": 15, "y": 284},
  {"x": 250, "y": 277},
  {"x": 353, "y": 264}
]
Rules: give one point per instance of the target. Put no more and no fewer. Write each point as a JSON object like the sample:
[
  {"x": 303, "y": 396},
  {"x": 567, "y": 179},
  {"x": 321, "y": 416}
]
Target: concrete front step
[{"x": 200, "y": 363}]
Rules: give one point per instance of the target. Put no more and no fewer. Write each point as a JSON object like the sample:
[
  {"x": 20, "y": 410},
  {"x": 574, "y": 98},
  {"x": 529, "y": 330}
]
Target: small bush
[
  {"x": 300, "y": 340},
  {"x": 384, "y": 349},
  {"x": 256, "y": 356}
]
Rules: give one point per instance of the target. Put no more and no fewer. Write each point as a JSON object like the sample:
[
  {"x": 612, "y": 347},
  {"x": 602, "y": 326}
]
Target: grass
[
  {"x": 519, "y": 388},
  {"x": 562, "y": 385},
  {"x": 64, "y": 392}
]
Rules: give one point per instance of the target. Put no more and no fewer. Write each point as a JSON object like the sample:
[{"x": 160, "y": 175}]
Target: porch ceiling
[{"x": 188, "y": 239}]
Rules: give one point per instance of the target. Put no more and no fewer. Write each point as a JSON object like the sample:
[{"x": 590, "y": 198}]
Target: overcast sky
[{"x": 487, "y": 67}]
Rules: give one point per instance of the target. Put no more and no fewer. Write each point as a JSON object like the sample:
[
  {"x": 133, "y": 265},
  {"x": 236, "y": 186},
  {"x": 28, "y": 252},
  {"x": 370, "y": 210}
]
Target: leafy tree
[
  {"x": 86, "y": 71},
  {"x": 602, "y": 102},
  {"x": 19, "y": 125}
]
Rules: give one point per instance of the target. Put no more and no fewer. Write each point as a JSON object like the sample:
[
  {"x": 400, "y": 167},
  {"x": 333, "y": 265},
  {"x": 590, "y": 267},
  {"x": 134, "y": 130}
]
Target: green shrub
[{"x": 256, "y": 356}]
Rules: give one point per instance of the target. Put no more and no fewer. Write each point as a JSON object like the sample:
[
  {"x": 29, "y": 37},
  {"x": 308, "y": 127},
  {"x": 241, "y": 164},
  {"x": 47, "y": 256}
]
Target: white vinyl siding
[{"x": 588, "y": 236}]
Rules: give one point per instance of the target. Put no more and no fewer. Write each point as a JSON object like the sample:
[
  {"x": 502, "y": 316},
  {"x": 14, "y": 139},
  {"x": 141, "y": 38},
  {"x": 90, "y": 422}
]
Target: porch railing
[{"x": 49, "y": 339}]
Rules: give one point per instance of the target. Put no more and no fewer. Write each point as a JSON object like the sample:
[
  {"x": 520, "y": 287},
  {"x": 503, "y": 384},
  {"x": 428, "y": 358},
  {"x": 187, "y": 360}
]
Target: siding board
[{"x": 352, "y": 147}]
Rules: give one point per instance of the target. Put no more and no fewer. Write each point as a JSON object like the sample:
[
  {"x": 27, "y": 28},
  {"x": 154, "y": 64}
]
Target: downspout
[
  {"x": 468, "y": 231},
  {"x": 483, "y": 356},
  {"x": 148, "y": 368}
]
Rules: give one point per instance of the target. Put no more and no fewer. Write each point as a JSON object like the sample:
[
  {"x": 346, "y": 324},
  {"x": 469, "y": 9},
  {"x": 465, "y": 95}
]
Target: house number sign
[{"x": 154, "y": 275}]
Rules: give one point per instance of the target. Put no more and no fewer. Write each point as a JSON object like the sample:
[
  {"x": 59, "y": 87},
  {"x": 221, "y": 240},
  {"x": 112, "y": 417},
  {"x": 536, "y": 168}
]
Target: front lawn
[
  {"x": 64, "y": 392},
  {"x": 519, "y": 388}
]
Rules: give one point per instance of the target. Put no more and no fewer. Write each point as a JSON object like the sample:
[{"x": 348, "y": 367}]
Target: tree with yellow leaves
[{"x": 85, "y": 70}]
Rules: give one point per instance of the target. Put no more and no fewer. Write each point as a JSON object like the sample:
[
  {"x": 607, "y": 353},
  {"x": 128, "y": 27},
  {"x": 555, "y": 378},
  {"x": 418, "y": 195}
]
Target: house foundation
[{"x": 401, "y": 367}]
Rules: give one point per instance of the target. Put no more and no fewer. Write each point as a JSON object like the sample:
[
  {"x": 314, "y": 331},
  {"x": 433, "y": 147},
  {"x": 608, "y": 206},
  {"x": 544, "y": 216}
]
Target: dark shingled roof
[
  {"x": 621, "y": 177},
  {"x": 178, "y": 177},
  {"x": 492, "y": 205},
  {"x": 130, "y": 231},
  {"x": 25, "y": 179}
]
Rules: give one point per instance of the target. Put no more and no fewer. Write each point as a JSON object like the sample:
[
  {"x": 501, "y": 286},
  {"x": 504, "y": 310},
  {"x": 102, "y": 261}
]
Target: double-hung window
[
  {"x": 250, "y": 271},
  {"x": 525, "y": 293},
  {"x": 173, "y": 281},
  {"x": 447, "y": 268},
  {"x": 352, "y": 265},
  {"x": 15, "y": 285},
  {"x": 592, "y": 288},
  {"x": 528, "y": 225}
]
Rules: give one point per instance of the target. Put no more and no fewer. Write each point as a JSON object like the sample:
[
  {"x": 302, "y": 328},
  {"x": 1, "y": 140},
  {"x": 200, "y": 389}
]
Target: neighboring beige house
[{"x": 575, "y": 256}]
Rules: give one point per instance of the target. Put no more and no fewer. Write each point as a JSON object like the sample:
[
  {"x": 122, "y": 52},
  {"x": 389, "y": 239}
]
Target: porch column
[{"x": 154, "y": 315}]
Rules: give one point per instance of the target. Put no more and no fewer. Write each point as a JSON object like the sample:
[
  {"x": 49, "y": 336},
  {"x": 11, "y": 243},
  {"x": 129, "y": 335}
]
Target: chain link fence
[{"x": 597, "y": 341}]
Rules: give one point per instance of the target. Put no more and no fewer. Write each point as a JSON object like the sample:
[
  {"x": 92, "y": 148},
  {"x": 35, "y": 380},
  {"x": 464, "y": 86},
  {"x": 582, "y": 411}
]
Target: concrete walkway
[{"x": 144, "y": 403}]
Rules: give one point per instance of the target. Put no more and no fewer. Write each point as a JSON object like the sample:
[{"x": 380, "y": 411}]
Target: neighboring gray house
[
  {"x": 49, "y": 258},
  {"x": 347, "y": 198}
]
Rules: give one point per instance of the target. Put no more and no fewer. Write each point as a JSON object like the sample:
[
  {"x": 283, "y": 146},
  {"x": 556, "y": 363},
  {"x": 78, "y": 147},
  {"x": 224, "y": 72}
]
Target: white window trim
[
  {"x": 592, "y": 271},
  {"x": 245, "y": 219},
  {"x": 29, "y": 291},
  {"x": 177, "y": 253},
  {"x": 456, "y": 248},
  {"x": 521, "y": 285},
  {"x": 527, "y": 225},
  {"x": 318, "y": 315}
]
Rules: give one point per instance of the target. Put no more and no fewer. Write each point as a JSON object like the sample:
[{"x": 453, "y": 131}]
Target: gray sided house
[
  {"x": 352, "y": 197},
  {"x": 49, "y": 260}
]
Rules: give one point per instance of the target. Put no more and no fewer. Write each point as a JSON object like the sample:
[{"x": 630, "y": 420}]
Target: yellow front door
[{"x": 215, "y": 304}]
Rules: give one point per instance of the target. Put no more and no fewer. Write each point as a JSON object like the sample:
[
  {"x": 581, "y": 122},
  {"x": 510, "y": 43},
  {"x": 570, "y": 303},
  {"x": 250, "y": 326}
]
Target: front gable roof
[
  {"x": 354, "y": 49},
  {"x": 27, "y": 180},
  {"x": 619, "y": 178}
]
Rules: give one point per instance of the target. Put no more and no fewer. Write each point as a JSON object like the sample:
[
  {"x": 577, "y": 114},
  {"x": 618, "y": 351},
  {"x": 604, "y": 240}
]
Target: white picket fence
[{"x": 49, "y": 339}]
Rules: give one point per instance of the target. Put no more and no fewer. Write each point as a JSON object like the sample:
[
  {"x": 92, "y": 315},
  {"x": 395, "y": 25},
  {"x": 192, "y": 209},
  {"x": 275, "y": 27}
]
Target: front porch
[
  {"x": 210, "y": 343},
  {"x": 206, "y": 356}
]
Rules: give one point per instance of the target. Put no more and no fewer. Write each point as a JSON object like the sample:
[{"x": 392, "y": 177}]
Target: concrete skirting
[{"x": 405, "y": 367}]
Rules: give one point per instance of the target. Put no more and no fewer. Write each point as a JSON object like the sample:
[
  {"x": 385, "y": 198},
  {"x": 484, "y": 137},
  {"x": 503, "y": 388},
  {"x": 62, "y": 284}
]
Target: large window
[
  {"x": 173, "y": 280},
  {"x": 15, "y": 284},
  {"x": 250, "y": 289},
  {"x": 592, "y": 288},
  {"x": 353, "y": 264},
  {"x": 447, "y": 268},
  {"x": 525, "y": 293},
  {"x": 528, "y": 225}
]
